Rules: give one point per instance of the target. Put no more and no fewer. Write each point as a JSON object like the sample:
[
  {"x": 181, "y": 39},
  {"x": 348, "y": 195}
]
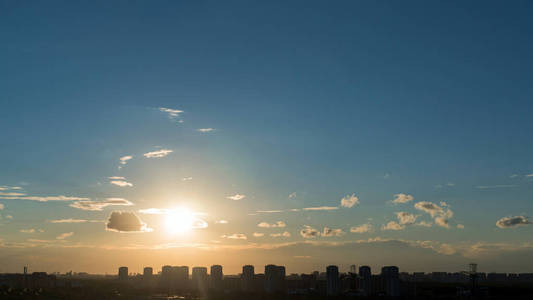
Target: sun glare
[{"x": 180, "y": 221}]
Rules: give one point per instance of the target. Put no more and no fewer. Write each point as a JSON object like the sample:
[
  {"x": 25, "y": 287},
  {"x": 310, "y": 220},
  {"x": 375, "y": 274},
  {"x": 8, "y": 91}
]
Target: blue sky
[{"x": 308, "y": 102}]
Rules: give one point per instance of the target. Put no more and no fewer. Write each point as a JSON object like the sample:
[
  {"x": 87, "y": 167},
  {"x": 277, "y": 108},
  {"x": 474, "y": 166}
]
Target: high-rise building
[
  {"x": 166, "y": 277},
  {"x": 365, "y": 280},
  {"x": 123, "y": 273},
  {"x": 199, "y": 278},
  {"x": 216, "y": 277},
  {"x": 248, "y": 274},
  {"x": 391, "y": 281},
  {"x": 274, "y": 279},
  {"x": 332, "y": 281},
  {"x": 148, "y": 272},
  {"x": 180, "y": 277}
]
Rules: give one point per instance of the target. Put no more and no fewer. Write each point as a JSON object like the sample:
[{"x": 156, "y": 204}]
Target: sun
[{"x": 179, "y": 221}]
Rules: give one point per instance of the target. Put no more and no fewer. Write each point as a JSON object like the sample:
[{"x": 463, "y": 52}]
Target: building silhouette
[
  {"x": 148, "y": 272},
  {"x": 274, "y": 279},
  {"x": 391, "y": 281},
  {"x": 199, "y": 278},
  {"x": 123, "y": 273},
  {"x": 247, "y": 277},
  {"x": 365, "y": 280},
  {"x": 216, "y": 277},
  {"x": 332, "y": 281}
]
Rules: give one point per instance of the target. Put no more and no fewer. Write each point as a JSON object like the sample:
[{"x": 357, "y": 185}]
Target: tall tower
[
  {"x": 365, "y": 280},
  {"x": 215, "y": 277},
  {"x": 332, "y": 283},
  {"x": 199, "y": 278},
  {"x": 123, "y": 273},
  {"x": 391, "y": 280},
  {"x": 248, "y": 274}
]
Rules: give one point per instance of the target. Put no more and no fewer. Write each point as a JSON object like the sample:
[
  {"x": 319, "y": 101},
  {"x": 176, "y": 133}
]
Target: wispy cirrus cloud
[
  {"x": 158, "y": 153},
  {"x": 361, "y": 228},
  {"x": 100, "y": 205},
  {"x": 509, "y": 222},
  {"x": 402, "y": 198},
  {"x": 64, "y": 235},
  {"x": 59, "y": 221},
  {"x": 317, "y": 208},
  {"x": 273, "y": 225},
  {"x": 204, "y": 130},
  {"x": 235, "y": 236},
  {"x": 497, "y": 186},
  {"x": 121, "y": 183},
  {"x": 236, "y": 197},
  {"x": 45, "y": 198},
  {"x": 172, "y": 113},
  {"x": 349, "y": 201},
  {"x": 7, "y": 188},
  {"x": 124, "y": 159},
  {"x": 268, "y": 211},
  {"x": 222, "y": 222},
  {"x": 258, "y": 234}
]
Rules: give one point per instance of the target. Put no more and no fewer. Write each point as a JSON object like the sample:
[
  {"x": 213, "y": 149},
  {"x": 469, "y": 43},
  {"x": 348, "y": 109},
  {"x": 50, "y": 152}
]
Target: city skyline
[{"x": 299, "y": 134}]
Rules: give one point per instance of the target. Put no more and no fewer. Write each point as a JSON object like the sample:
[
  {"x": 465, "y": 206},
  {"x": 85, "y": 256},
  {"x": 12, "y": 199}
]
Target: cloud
[
  {"x": 45, "y": 198},
  {"x": 440, "y": 214},
  {"x": 406, "y": 218},
  {"x": 124, "y": 159},
  {"x": 205, "y": 129},
  {"x": 6, "y": 188},
  {"x": 273, "y": 225},
  {"x": 328, "y": 232},
  {"x": 321, "y": 208},
  {"x": 31, "y": 230},
  {"x": 11, "y": 194},
  {"x": 402, "y": 198},
  {"x": 393, "y": 225},
  {"x": 156, "y": 211},
  {"x": 302, "y": 256},
  {"x": 498, "y": 186},
  {"x": 74, "y": 221},
  {"x": 64, "y": 235},
  {"x": 424, "y": 224},
  {"x": 124, "y": 221},
  {"x": 292, "y": 195},
  {"x": 172, "y": 113},
  {"x": 508, "y": 222},
  {"x": 361, "y": 228},
  {"x": 186, "y": 178},
  {"x": 309, "y": 232},
  {"x": 222, "y": 222},
  {"x": 529, "y": 175},
  {"x": 349, "y": 201},
  {"x": 99, "y": 205},
  {"x": 258, "y": 234},
  {"x": 1, "y": 206},
  {"x": 236, "y": 197},
  {"x": 235, "y": 236},
  {"x": 283, "y": 234},
  {"x": 121, "y": 183},
  {"x": 460, "y": 226},
  {"x": 116, "y": 178},
  {"x": 158, "y": 153},
  {"x": 268, "y": 211}
]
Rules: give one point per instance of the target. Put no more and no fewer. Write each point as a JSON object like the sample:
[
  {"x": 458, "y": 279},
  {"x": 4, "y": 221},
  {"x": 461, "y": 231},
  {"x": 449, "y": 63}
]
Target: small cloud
[
  {"x": 99, "y": 205},
  {"x": 64, "y": 235},
  {"x": 294, "y": 209},
  {"x": 406, "y": 218},
  {"x": 529, "y": 175},
  {"x": 309, "y": 232},
  {"x": 292, "y": 195},
  {"x": 302, "y": 256},
  {"x": 273, "y": 225},
  {"x": 321, "y": 208},
  {"x": 460, "y": 226},
  {"x": 205, "y": 129},
  {"x": 31, "y": 230},
  {"x": 236, "y": 197},
  {"x": 258, "y": 234},
  {"x": 424, "y": 224},
  {"x": 393, "y": 225},
  {"x": 509, "y": 222},
  {"x": 361, "y": 228},
  {"x": 498, "y": 186},
  {"x": 222, "y": 222},
  {"x": 235, "y": 236},
  {"x": 45, "y": 198},
  {"x": 1, "y": 206},
  {"x": 266, "y": 212},
  {"x": 329, "y": 232},
  {"x": 172, "y": 113},
  {"x": 124, "y": 221},
  {"x": 440, "y": 214},
  {"x": 124, "y": 159},
  {"x": 74, "y": 221},
  {"x": 186, "y": 178},
  {"x": 9, "y": 217},
  {"x": 7, "y": 188},
  {"x": 11, "y": 194},
  {"x": 450, "y": 184},
  {"x": 158, "y": 153},
  {"x": 402, "y": 198},
  {"x": 386, "y": 176},
  {"x": 121, "y": 183},
  {"x": 283, "y": 234},
  {"x": 116, "y": 178},
  {"x": 349, "y": 201}
]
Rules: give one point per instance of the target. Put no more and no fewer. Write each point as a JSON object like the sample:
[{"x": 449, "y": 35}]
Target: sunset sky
[{"x": 300, "y": 133}]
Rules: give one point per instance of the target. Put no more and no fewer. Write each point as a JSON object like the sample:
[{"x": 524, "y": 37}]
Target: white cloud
[
  {"x": 31, "y": 230},
  {"x": 440, "y": 214},
  {"x": 186, "y": 178},
  {"x": 498, "y": 186},
  {"x": 64, "y": 235},
  {"x": 124, "y": 221},
  {"x": 309, "y": 232},
  {"x": 45, "y": 198},
  {"x": 124, "y": 159},
  {"x": 258, "y": 234},
  {"x": 292, "y": 195},
  {"x": 361, "y": 228},
  {"x": 7, "y": 188},
  {"x": 393, "y": 225},
  {"x": 74, "y": 221},
  {"x": 120, "y": 183},
  {"x": 205, "y": 129},
  {"x": 11, "y": 194},
  {"x": 158, "y": 153},
  {"x": 99, "y": 205},
  {"x": 116, "y": 178},
  {"x": 222, "y": 222},
  {"x": 236, "y": 197},
  {"x": 428, "y": 207},
  {"x": 406, "y": 218},
  {"x": 268, "y": 211},
  {"x": 273, "y": 225},
  {"x": 283, "y": 234},
  {"x": 349, "y": 201},
  {"x": 508, "y": 222},
  {"x": 321, "y": 208},
  {"x": 424, "y": 224},
  {"x": 172, "y": 113},
  {"x": 235, "y": 236},
  {"x": 328, "y": 232},
  {"x": 402, "y": 198}
]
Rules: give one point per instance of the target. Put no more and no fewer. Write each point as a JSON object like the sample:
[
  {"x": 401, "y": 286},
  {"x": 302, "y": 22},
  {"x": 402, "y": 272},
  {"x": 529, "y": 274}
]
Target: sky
[{"x": 299, "y": 133}]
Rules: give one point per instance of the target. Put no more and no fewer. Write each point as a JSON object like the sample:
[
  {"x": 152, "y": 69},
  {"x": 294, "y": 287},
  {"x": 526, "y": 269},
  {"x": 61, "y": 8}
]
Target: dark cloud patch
[
  {"x": 124, "y": 221},
  {"x": 508, "y": 222}
]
